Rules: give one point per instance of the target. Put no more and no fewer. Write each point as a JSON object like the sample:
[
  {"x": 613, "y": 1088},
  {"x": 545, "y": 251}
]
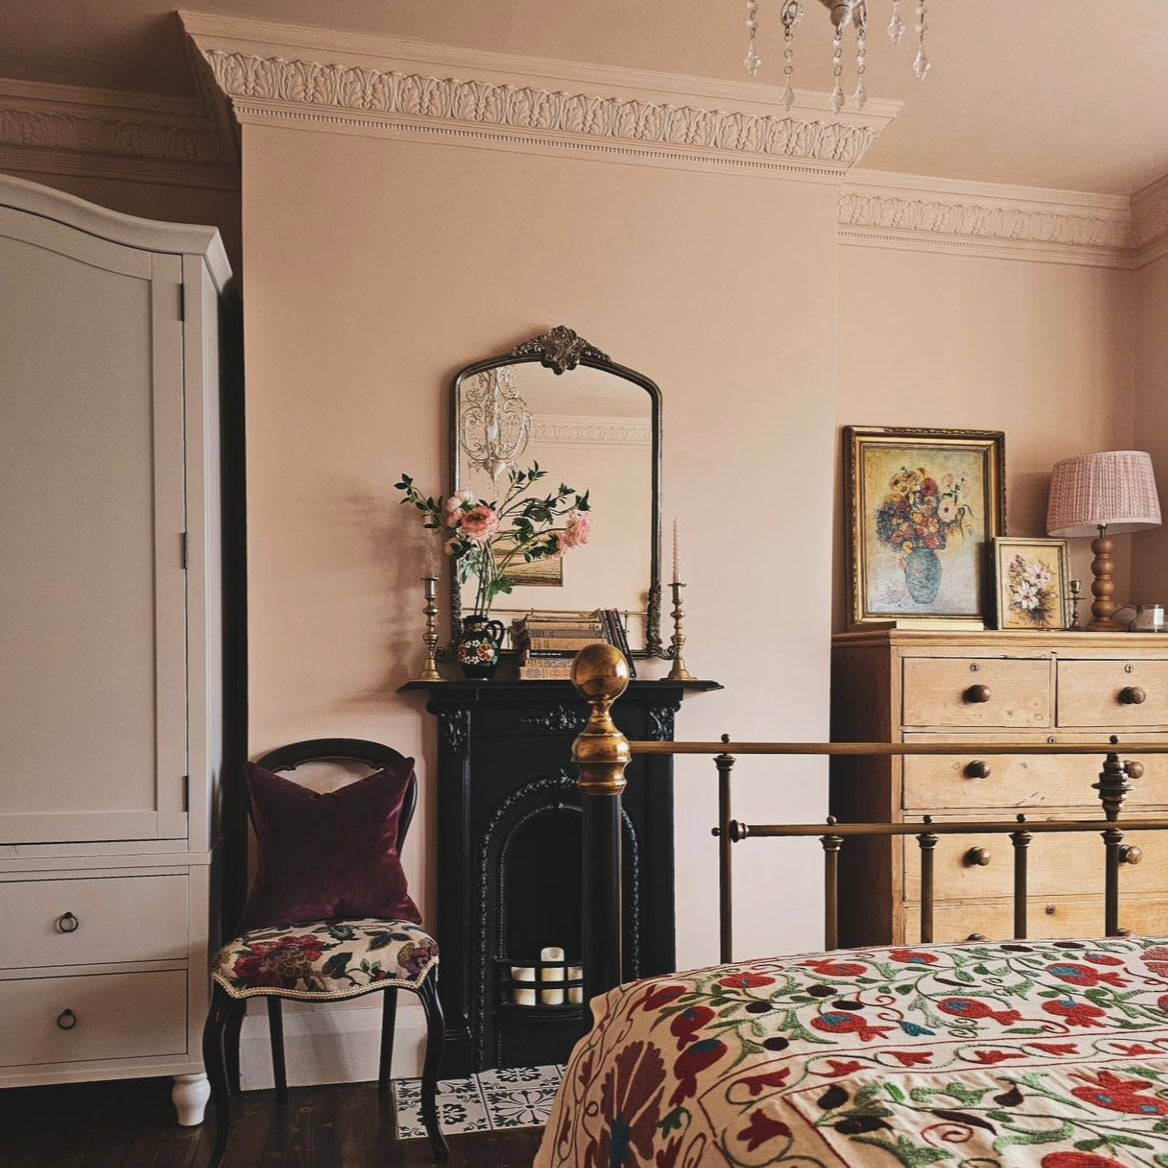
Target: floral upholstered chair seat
[{"x": 323, "y": 960}]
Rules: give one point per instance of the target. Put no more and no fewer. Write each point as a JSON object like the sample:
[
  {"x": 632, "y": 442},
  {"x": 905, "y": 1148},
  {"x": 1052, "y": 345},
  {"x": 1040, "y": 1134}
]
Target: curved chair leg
[
  {"x": 435, "y": 1039},
  {"x": 388, "y": 1018},
  {"x": 223, "y": 1019},
  {"x": 276, "y": 1039}
]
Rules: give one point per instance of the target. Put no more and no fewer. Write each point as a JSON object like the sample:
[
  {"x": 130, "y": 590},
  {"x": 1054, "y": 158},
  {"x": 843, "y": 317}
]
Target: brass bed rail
[{"x": 601, "y": 753}]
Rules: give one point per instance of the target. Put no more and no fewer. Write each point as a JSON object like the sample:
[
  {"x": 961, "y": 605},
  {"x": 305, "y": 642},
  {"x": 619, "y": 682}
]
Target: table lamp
[{"x": 1102, "y": 494}]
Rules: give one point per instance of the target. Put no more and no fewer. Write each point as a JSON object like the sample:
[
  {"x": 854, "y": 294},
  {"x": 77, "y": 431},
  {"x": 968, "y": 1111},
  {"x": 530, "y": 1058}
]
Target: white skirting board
[{"x": 334, "y": 1043}]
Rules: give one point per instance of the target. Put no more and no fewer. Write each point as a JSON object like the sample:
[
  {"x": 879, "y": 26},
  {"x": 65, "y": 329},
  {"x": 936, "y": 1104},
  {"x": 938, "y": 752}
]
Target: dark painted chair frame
[{"x": 225, "y": 1019}]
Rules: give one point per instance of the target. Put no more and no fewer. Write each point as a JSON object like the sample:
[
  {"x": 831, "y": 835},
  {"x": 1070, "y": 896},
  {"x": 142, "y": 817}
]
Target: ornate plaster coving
[
  {"x": 1150, "y": 219},
  {"x": 267, "y": 87},
  {"x": 68, "y": 129},
  {"x": 971, "y": 221}
]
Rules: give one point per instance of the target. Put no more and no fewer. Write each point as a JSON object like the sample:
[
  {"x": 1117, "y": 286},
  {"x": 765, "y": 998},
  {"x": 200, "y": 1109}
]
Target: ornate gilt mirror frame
[{"x": 561, "y": 350}]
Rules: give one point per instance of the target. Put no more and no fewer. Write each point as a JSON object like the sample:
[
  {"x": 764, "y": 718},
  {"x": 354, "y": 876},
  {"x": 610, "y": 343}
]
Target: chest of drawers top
[{"x": 996, "y": 681}]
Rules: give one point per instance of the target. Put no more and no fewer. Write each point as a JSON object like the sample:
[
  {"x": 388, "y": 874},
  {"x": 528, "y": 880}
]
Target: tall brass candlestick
[
  {"x": 430, "y": 636},
  {"x": 678, "y": 671}
]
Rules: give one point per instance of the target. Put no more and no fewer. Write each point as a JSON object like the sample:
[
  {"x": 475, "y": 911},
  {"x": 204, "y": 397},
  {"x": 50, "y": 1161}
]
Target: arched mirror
[{"x": 591, "y": 424}]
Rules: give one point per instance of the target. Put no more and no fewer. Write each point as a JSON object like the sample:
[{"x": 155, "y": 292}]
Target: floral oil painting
[
  {"x": 1032, "y": 587},
  {"x": 923, "y": 507}
]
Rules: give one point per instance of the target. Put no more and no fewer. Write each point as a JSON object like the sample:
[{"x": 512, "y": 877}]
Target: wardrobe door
[{"x": 92, "y": 584}]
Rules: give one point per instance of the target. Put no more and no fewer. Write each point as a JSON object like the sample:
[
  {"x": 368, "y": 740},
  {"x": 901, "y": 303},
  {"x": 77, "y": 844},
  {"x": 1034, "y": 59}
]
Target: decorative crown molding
[
  {"x": 401, "y": 88},
  {"x": 1150, "y": 221},
  {"x": 68, "y": 129},
  {"x": 895, "y": 210}
]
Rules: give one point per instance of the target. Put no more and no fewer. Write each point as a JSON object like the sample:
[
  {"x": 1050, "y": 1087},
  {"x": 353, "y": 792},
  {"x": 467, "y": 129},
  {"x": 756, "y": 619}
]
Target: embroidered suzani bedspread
[{"x": 1036, "y": 1054}]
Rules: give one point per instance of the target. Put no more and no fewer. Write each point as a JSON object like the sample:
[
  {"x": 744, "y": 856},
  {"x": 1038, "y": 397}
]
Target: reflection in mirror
[{"x": 597, "y": 430}]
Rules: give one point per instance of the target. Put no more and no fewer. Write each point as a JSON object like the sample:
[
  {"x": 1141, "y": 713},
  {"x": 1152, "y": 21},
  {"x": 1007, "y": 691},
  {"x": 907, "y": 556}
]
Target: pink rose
[
  {"x": 456, "y": 502},
  {"x": 479, "y": 523},
  {"x": 577, "y": 529}
]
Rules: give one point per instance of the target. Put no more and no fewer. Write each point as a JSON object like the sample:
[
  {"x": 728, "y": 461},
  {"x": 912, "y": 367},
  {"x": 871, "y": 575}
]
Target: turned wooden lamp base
[{"x": 1103, "y": 608}]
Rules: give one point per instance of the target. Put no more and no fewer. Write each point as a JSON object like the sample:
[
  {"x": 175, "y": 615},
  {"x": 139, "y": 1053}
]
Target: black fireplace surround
[{"x": 509, "y": 860}]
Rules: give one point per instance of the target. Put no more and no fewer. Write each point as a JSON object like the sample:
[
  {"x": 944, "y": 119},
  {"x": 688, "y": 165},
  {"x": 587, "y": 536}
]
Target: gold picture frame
[
  {"x": 923, "y": 507},
  {"x": 1032, "y": 583}
]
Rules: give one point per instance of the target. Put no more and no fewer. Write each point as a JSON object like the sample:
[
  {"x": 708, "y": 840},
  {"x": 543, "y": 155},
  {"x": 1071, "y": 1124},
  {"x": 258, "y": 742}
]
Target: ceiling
[{"x": 1066, "y": 95}]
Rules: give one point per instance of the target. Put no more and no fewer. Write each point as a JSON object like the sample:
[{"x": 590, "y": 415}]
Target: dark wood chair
[{"x": 318, "y": 960}]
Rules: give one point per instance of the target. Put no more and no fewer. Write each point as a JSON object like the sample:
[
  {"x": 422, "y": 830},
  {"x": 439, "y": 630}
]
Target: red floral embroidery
[
  {"x": 746, "y": 981},
  {"x": 908, "y": 1058},
  {"x": 1056, "y": 1048},
  {"x": 844, "y": 1022},
  {"x": 762, "y": 1128},
  {"x": 630, "y": 1105},
  {"x": 1116, "y": 1094},
  {"x": 1076, "y": 1013},
  {"x": 1103, "y": 959},
  {"x": 661, "y": 996},
  {"x": 987, "y": 1058},
  {"x": 836, "y": 968},
  {"x": 690, "y": 1063},
  {"x": 685, "y": 1025},
  {"x": 838, "y": 1069},
  {"x": 279, "y": 964},
  {"x": 913, "y": 957},
  {"x": 755, "y": 1083},
  {"x": 972, "y": 1008},
  {"x": 1077, "y": 1160},
  {"x": 1084, "y": 975}
]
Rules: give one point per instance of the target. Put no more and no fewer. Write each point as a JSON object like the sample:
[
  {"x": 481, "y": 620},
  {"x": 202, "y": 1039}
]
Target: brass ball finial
[{"x": 600, "y": 672}]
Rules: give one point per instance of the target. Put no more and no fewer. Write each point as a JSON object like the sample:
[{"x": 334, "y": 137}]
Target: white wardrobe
[{"x": 110, "y": 645}]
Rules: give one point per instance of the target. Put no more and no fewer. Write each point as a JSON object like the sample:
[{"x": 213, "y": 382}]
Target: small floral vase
[
  {"x": 478, "y": 645},
  {"x": 922, "y": 574}
]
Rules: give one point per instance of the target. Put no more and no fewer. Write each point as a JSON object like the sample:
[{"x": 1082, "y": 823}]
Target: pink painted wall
[
  {"x": 376, "y": 269},
  {"x": 1042, "y": 351},
  {"x": 1150, "y": 555}
]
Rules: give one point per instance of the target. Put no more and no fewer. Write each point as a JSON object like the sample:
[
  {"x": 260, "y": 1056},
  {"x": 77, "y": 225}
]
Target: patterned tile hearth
[{"x": 509, "y": 1097}]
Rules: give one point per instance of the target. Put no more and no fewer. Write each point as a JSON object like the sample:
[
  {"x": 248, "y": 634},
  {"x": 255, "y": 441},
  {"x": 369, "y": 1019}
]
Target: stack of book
[{"x": 548, "y": 643}]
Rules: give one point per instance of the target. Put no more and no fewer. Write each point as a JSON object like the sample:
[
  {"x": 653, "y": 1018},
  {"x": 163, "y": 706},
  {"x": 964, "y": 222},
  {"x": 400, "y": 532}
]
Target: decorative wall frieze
[
  {"x": 68, "y": 129},
  {"x": 1150, "y": 221},
  {"x": 395, "y": 88},
  {"x": 878, "y": 209}
]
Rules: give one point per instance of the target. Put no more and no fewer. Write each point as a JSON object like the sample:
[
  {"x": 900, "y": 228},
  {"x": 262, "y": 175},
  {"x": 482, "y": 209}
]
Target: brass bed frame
[{"x": 601, "y": 753}]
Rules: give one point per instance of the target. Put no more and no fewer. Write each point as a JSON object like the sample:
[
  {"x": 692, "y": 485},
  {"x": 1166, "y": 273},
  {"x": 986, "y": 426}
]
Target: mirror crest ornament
[{"x": 599, "y": 429}]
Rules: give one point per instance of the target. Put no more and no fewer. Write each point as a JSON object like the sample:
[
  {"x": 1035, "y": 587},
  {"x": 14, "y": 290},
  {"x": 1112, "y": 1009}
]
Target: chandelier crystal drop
[
  {"x": 496, "y": 422},
  {"x": 844, "y": 13}
]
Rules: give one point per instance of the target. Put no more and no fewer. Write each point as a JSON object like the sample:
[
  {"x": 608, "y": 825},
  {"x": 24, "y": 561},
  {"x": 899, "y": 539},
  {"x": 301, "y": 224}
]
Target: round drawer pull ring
[
  {"x": 1132, "y": 695},
  {"x": 68, "y": 923},
  {"x": 66, "y": 1019},
  {"x": 977, "y": 693},
  {"x": 977, "y": 857},
  {"x": 1130, "y": 854},
  {"x": 977, "y": 769}
]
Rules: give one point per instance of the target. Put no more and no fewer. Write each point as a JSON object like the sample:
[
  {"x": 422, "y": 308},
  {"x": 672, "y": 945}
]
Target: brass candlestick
[
  {"x": 678, "y": 671},
  {"x": 1076, "y": 596},
  {"x": 430, "y": 636}
]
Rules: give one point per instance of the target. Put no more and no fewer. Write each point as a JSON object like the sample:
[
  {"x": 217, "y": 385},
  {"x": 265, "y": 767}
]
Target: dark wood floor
[{"x": 131, "y": 1124}]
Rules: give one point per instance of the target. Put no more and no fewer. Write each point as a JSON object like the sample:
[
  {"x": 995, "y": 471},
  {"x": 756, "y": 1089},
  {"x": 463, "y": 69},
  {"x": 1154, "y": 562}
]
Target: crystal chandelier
[
  {"x": 496, "y": 423},
  {"x": 843, "y": 13}
]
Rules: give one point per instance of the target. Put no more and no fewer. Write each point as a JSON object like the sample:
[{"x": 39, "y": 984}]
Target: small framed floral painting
[
  {"x": 1032, "y": 583},
  {"x": 923, "y": 507}
]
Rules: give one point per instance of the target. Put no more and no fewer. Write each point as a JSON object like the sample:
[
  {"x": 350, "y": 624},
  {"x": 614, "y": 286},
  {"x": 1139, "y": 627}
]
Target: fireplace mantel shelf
[{"x": 475, "y": 690}]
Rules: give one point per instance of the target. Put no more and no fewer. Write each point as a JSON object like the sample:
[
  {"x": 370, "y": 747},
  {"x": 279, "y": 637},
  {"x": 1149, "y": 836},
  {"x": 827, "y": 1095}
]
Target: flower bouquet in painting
[
  {"x": 917, "y": 518},
  {"x": 487, "y": 538}
]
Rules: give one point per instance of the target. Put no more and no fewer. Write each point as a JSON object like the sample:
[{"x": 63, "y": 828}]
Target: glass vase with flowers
[{"x": 483, "y": 538}]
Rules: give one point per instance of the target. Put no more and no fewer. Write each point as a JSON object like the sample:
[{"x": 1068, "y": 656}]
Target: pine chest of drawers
[{"x": 1060, "y": 687}]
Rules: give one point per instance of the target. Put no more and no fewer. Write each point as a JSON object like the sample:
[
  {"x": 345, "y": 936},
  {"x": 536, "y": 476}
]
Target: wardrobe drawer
[
  {"x": 104, "y": 1016},
  {"x": 976, "y": 692},
  {"x": 1062, "y": 864},
  {"x": 1014, "y": 782},
  {"x": 91, "y": 920},
  {"x": 1113, "y": 694},
  {"x": 1047, "y": 919}
]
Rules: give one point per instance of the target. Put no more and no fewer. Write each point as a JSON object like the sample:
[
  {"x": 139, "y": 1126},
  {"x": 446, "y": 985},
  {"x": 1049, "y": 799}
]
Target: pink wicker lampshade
[{"x": 1115, "y": 489}]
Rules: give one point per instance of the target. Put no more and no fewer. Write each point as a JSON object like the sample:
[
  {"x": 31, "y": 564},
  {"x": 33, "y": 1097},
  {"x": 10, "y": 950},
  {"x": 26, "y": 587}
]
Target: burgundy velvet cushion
[{"x": 327, "y": 856}]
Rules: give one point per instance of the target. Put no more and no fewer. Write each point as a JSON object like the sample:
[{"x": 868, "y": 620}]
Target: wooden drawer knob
[
  {"x": 976, "y": 937},
  {"x": 1132, "y": 695},
  {"x": 1134, "y": 770},
  {"x": 66, "y": 1019},
  {"x": 977, "y": 857},
  {"x": 977, "y": 769},
  {"x": 977, "y": 693},
  {"x": 67, "y": 923},
  {"x": 1130, "y": 854}
]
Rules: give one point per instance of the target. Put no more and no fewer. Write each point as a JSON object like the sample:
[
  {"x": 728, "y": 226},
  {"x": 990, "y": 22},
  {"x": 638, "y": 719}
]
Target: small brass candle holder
[
  {"x": 1076, "y": 596},
  {"x": 430, "y": 636},
  {"x": 678, "y": 671}
]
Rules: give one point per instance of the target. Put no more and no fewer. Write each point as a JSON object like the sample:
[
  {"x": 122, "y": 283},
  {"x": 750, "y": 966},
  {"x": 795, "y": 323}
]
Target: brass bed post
[
  {"x": 1113, "y": 788},
  {"x": 928, "y": 845},
  {"x": 601, "y": 752},
  {"x": 724, "y": 763},
  {"x": 1021, "y": 841}
]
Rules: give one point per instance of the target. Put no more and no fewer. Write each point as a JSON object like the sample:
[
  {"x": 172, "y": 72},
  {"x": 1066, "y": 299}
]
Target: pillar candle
[{"x": 676, "y": 555}]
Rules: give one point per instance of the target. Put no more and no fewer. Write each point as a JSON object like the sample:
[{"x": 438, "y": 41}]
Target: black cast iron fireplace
[{"x": 509, "y": 863}]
